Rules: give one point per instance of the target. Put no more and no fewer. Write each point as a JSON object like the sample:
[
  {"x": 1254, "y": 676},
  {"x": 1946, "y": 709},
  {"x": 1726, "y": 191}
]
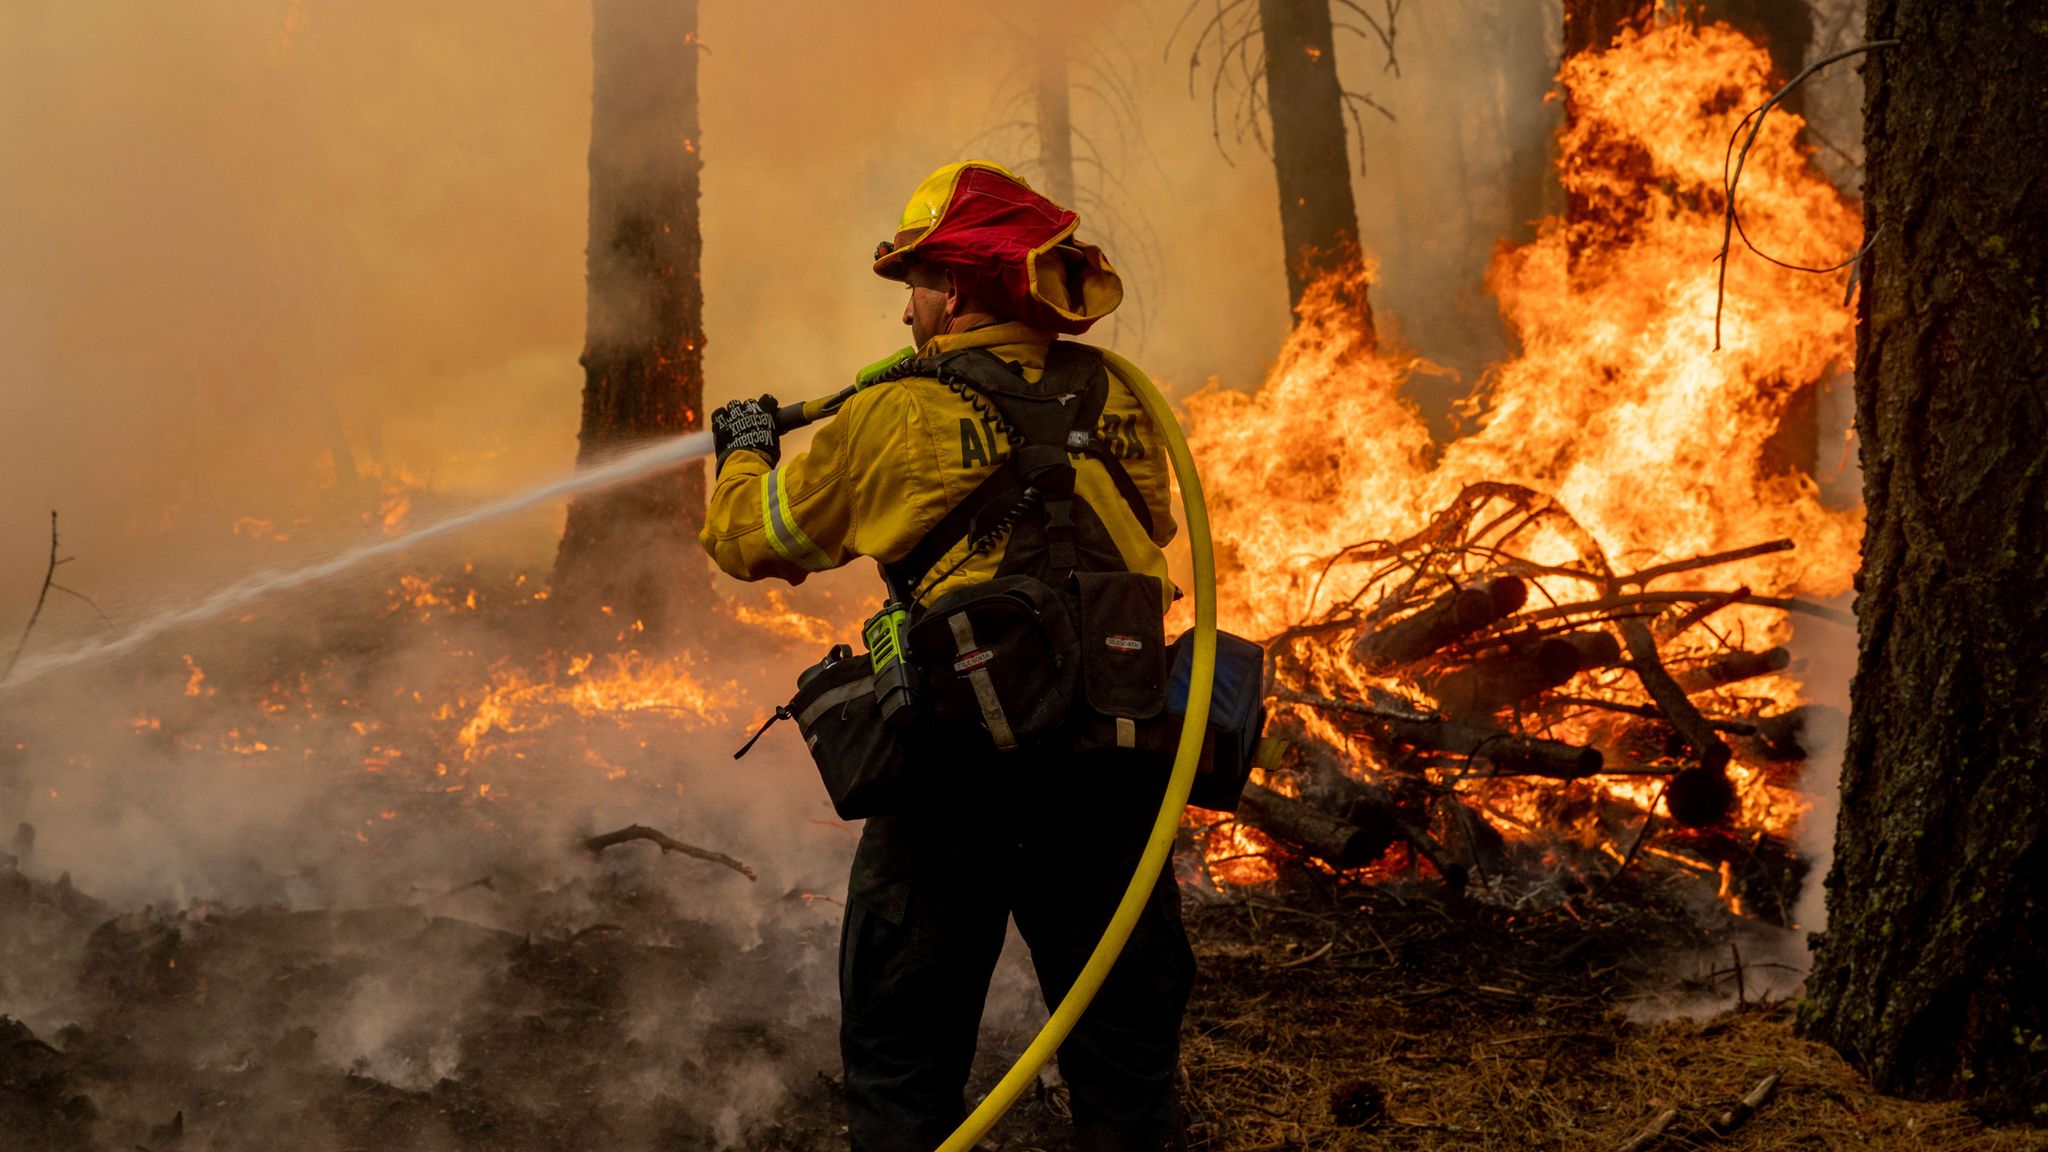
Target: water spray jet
[{"x": 634, "y": 465}]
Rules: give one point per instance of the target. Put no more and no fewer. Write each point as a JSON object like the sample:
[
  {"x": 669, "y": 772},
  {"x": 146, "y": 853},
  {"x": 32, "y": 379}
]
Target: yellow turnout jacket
[{"x": 899, "y": 455}]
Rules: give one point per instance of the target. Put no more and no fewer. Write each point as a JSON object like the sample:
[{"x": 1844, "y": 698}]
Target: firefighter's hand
[{"x": 746, "y": 424}]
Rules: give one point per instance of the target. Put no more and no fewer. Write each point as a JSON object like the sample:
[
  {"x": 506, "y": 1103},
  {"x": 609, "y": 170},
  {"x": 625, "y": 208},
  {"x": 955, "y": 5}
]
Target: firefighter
[{"x": 1046, "y": 834}]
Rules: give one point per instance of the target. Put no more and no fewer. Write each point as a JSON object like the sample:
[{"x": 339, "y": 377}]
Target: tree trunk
[
  {"x": 1591, "y": 26},
  {"x": 1528, "y": 119},
  {"x": 1928, "y": 977},
  {"x": 1055, "y": 119},
  {"x": 1785, "y": 29},
  {"x": 1311, "y": 158},
  {"x": 634, "y": 549}
]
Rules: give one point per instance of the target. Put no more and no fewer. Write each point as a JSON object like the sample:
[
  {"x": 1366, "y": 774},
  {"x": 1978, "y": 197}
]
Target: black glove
[{"x": 746, "y": 424}]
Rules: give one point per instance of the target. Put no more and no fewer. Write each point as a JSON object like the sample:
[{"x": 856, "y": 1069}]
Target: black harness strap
[{"x": 1043, "y": 425}]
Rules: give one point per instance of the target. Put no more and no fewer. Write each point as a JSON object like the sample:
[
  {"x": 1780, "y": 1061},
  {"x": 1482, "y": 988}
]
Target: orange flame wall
[{"x": 1618, "y": 404}]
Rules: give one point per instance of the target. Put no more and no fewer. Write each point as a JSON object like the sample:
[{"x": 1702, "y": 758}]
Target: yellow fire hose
[{"x": 1160, "y": 843}]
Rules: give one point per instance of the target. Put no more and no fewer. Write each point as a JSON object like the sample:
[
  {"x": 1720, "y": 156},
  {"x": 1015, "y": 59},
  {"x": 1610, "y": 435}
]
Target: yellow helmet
[{"x": 977, "y": 215}]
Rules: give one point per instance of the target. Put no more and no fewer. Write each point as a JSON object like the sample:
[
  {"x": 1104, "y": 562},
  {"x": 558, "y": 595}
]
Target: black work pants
[{"x": 931, "y": 892}]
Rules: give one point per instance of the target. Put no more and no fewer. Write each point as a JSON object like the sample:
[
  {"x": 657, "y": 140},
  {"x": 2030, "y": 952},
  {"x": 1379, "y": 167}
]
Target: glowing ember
[{"x": 520, "y": 701}]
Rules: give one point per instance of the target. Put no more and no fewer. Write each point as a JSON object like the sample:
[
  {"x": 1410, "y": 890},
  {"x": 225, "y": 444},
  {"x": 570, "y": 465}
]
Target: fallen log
[
  {"x": 1320, "y": 774},
  {"x": 1510, "y": 754},
  {"x": 1335, "y": 842},
  {"x": 1729, "y": 668},
  {"x": 1496, "y": 682},
  {"x": 1458, "y": 613}
]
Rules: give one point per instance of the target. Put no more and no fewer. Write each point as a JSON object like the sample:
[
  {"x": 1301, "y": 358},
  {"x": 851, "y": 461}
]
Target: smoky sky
[{"x": 246, "y": 243}]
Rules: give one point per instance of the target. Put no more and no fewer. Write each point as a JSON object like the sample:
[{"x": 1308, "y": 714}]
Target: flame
[
  {"x": 520, "y": 700},
  {"x": 1618, "y": 407},
  {"x": 195, "y": 683},
  {"x": 775, "y": 617}
]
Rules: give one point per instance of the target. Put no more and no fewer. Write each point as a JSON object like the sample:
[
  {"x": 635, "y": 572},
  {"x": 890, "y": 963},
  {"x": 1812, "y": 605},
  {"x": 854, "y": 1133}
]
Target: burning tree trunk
[
  {"x": 1055, "y": 117},
  {"x": 1592, "y": 211},
  {"x": 1783, "y": 27},
  {"x": 634, "y": 549},
  {"x": 1318, "y": 218},
  {"x": 1591, "y": 25},
  {"x": 1928, "y": 977}
]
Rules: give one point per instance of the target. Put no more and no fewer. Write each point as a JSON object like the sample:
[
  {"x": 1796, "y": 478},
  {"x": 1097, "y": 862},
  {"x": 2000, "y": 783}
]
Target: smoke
[
  {"x": 283, "y": 275},
  {"x": 281, "y": 272},
  {"x": 1829, "y": 655}
]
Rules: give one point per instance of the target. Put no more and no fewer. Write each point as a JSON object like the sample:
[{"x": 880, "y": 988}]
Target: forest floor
[{"x": 1325, "y": 1017}]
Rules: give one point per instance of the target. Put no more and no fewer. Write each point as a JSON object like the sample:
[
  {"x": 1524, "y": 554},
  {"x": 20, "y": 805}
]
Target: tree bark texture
[
  {"x": 634, "y": 549},
  {"x": 1055, "y": 119},
  {"x": 1311, "y": 157},
  {"x": 1928, "y": 977}
]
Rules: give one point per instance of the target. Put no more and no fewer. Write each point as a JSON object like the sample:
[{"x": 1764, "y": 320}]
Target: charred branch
[
  {"x": 1622, "y": 607},
  {"x": 1676, "y": 623},
  {"x": 1651, "y": 1133},
  {"x": 43, "y": 596},
  {"x": 1711, "y": 560},
  {"x": 1789, "y": 736},
  {"x": 1746, "y": 1107},
  {"x": 1700, "y": 797},
  {"x": 1731, "y": 667},
  {"x": 1731, "y": 226},
  {"x": 597, "y": 844},
  {"x": 1719, "y": 724},
  {"x": 1670, "y": 698}
]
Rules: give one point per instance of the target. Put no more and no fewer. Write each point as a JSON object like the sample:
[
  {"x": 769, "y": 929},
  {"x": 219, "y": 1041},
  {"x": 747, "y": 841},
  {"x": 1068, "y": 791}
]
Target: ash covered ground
[
  {"x": 333, "y": 894},
  {"x": 609, "y": 1011}
]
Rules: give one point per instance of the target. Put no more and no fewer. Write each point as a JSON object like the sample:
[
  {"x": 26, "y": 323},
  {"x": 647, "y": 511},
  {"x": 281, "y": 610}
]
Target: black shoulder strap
[
  {"x": 1089, "y": 359},
  {"x": 1043, "y": 420}
]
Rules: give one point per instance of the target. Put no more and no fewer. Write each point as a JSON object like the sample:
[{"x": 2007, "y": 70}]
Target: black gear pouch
[
  {"x": 1123, "y": 661},
  {"x": 999, "y": 662},
  {"x": 866, "y": 765}
]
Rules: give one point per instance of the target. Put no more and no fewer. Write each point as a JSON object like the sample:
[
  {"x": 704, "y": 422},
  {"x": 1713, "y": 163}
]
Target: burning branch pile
[
  {"x": 1464, "y": 667},
  {"x": 1570, "y": 623}
]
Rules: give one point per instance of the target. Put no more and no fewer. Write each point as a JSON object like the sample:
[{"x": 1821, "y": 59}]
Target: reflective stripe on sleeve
[{"x": 788, "y": 539}]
